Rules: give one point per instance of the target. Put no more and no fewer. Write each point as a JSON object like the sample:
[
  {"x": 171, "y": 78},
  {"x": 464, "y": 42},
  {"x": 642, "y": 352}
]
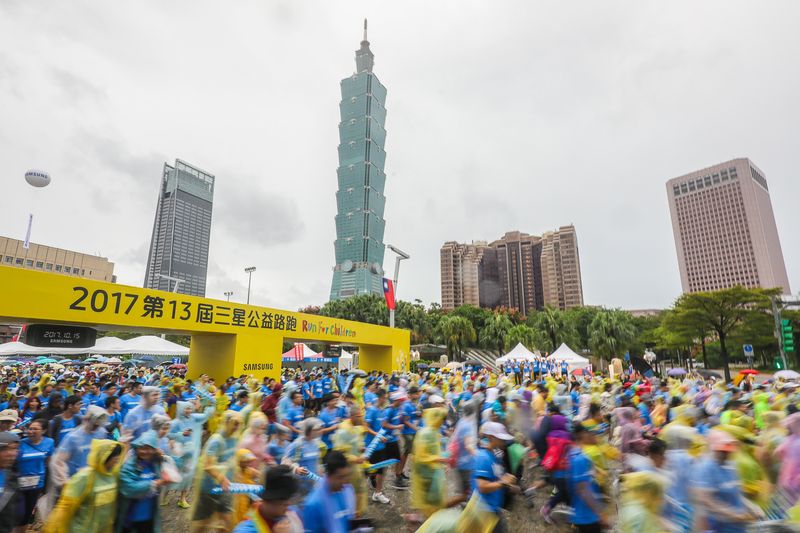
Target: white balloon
[{"x": 37, "y": 178}]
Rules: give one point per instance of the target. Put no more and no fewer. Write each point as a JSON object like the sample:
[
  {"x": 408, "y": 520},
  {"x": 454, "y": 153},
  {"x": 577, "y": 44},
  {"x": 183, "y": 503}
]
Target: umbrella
[
  {"x": 177, "y": 366},
  {"x": 676, "y": 372},
  {"x": 473, "y": 362},
  {"x": 709, "y": 374},
  {"x": 10, "y": 363},
  {"x": 357, "y": 372},
  {"x": 453, "y": 365},
  {"x": 113, "y": 361},
  {"x": 787, "y": 375},
  {"x": 581, "y": 372},
  {"x": 749, "y": 372},
  {"x": 45, "y": 361},
  {"x": 422, "y": 366}
]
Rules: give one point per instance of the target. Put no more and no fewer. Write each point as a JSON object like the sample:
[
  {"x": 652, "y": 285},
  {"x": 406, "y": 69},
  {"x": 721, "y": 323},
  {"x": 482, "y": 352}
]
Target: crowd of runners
[{"x": 117, "y": 449}]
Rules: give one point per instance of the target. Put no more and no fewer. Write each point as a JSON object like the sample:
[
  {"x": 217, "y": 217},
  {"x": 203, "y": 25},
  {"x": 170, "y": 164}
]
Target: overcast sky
[{"x": 501, "y": 116}]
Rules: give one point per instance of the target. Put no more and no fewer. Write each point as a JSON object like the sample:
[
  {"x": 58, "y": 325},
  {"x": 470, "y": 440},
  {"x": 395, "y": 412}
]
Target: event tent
[
  {"x": 299, "y": 352},
  {"x": 518, "y": 353},
  {"x": 346, "y": 360},
  {"x": 565, "y": 353},
  {"x": 145, "y": 345}
]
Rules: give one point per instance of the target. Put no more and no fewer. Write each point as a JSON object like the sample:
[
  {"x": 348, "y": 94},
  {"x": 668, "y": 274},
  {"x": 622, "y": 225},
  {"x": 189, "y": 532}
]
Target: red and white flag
[
  {"x": 388, "y": 293},
  {"x": 298, "y": 351}
]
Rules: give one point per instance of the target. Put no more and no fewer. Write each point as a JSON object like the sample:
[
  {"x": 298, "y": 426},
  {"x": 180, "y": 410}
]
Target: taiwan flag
[{"x": 388, "y": 293}]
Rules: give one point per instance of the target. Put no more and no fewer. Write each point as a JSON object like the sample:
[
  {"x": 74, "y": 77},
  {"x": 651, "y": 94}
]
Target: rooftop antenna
[{"x": 365, "y": 29}]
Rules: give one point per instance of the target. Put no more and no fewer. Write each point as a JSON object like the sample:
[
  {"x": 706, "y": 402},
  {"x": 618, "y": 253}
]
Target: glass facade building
[
  {"x": 182, "y": 230},
  {"x": 360, "y": 202}
]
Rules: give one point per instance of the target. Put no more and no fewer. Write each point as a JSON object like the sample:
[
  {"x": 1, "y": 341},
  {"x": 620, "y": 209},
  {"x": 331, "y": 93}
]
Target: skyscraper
[
  {"x": 460, "y": 270},
  {"x": 181, "y": 231},
  {"x": 360, "y": 201},
  {"x": 724, "y": 228},
  {"x": 520, "y": 271}
]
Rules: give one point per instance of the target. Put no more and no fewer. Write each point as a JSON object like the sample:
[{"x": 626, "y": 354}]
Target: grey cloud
[
  {"x": 77, "y": 89},
  {"x": 255, "y": 217}
]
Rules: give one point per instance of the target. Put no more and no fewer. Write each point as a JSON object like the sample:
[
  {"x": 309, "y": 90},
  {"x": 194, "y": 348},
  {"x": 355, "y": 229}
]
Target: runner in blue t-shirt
[
  {"x": 294, "y": 415},
  {"x": 329, "y": 415},
  {"x": 374, "y": 418},
  {"x": 584, "y": 492},
  {"x": 34, "y": 453},
  {"x": 489, "y": 478}
]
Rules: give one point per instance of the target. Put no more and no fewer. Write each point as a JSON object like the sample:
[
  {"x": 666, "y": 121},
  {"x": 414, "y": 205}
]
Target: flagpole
[{"x": 400, "y": 256}]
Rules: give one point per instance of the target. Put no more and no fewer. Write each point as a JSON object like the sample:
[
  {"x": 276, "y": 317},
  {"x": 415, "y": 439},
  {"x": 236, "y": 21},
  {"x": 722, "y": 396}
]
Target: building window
[
  {"x": 39, "y": 264},
  {"x": 18, "y": 261},
  {"x": 58, "y": 268},
  {"x": 29, "y": 262},
  {"x": 48, "y": 266},
  {"x": 67, "y": 270},
  {"x": 9, "y": 259}
]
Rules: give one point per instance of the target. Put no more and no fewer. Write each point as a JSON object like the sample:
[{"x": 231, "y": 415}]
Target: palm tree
[
  {"x": 521, "y": 334},
  {"x": 554, "y": 325},
  {"x": 457, "y": 332},
  {"x": 493, "y": 334},
  {"x": 611, "y": 331}
]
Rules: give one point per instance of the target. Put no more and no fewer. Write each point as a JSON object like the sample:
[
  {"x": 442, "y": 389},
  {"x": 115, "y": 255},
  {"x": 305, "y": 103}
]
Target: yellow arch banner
[{"x": 228, "y": 338}]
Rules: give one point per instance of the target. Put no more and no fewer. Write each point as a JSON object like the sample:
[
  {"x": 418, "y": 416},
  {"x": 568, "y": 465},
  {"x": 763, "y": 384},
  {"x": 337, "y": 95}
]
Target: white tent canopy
[
  {"x": 152, "y": 345},
  {"x": 518, "y": 353},
  {"x": 346, "y": 360},
  {"x": 145, "y": 345},
  {"x": 565, "y": 353}
]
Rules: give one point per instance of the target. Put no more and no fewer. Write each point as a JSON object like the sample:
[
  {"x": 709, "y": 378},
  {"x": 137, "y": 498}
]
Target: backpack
[{"x": 555, "y": 459}]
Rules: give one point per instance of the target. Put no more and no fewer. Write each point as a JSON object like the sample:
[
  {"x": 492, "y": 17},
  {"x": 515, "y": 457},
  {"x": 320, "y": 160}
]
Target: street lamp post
[
  {"x": 249, "y": 271},
  {"x": 400, "y": 256},
  {"x": 177, "y": 281},
  {"x": 228, "y": 295}
]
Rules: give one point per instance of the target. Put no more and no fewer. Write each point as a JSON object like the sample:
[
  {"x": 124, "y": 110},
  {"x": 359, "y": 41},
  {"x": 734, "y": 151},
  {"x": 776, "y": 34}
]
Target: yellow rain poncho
[
  {"x": 242, "y": 503},
  {"x": 771, "y": 436},
  {"x": 357, "y": 388},
  {"x": 428, "y": 472},
  {"x": 88, "y": 502},
  {"x": 641, "y": 498},
  {"x": 755, "y": 481},
  {"x": 349, "y": 439},
  {"x": 223, "y": 402}
]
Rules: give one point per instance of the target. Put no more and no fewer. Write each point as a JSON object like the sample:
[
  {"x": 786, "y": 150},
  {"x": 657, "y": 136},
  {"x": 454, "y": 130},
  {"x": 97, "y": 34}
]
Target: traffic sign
[
  {"x": 748, "y": 350},
  {"x": 176, "y": 360}
]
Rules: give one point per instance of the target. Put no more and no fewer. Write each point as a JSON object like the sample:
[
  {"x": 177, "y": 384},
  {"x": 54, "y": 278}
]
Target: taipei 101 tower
[{"x": 360, "y": 201}]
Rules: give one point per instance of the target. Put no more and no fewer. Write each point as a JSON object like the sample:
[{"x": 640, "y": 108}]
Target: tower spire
[{"x": 364, "y": 57}]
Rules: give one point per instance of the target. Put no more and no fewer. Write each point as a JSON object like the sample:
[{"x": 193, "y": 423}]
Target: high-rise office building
[
  {"x": 181, "y": 231},
  {"x": 360, "y": 201},
  {"x": 724, "y": 228},
  {"x": 520, "y": 271}
]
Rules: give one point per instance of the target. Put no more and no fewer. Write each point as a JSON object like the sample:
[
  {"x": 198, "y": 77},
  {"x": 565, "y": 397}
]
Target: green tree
[
  {"x": 686, "y": 326},
  {"x": 723, "y": 311},
  {"x": 611, "y": 331},
  {"x": 521, "y": 334},
  {"x": 477, "y": 316},
  {"x": 581, "y": 318},
  {"x": 414, "y": 318},
  {"x": 553, "y": 326},
  {"x": 457, "y": 333},
  {"x": 369, "y": 308},
  {"x": 493, "y": 334}
]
